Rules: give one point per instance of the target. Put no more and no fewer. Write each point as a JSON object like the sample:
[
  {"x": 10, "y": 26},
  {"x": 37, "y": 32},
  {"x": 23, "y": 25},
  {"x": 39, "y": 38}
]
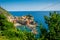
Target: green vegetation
[
  {"x": 3, "y": 11},
  {"x": 9, "y": 32},
  {"x": 53, "y": 22},
  {"x": 54, "y": 26}
]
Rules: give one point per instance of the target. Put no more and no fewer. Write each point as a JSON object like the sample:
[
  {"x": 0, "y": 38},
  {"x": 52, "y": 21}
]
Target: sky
[{"x": 30, "y": 5}]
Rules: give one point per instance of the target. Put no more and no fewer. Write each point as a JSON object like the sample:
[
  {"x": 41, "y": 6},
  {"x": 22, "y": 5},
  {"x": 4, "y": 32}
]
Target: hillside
[
  {"x": 9, "y": 32},
  {"x": 3, "y": 11}
]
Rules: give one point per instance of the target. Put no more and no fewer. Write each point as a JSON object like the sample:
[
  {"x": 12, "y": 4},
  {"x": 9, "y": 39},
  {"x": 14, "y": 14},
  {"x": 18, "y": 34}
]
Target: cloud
[
  {"x": 55, "y": 7},
  {"x": 31, "y": 6}
]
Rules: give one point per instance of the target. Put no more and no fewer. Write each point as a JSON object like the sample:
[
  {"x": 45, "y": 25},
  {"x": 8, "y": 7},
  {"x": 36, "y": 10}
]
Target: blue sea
[{"x": 38, "y": 16}]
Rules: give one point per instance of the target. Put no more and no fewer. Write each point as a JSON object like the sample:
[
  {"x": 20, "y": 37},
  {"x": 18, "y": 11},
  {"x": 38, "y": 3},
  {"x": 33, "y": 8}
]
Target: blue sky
[{"x": 30, "y": 5}]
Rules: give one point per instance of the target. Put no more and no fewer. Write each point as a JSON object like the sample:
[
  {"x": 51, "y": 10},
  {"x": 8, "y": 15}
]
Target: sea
[{"x": 38, "y": 17}]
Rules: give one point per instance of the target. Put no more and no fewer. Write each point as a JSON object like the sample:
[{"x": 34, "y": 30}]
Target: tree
[
  {"x": 53, "y": 22},
  {"x": 43, "y": 33}
]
